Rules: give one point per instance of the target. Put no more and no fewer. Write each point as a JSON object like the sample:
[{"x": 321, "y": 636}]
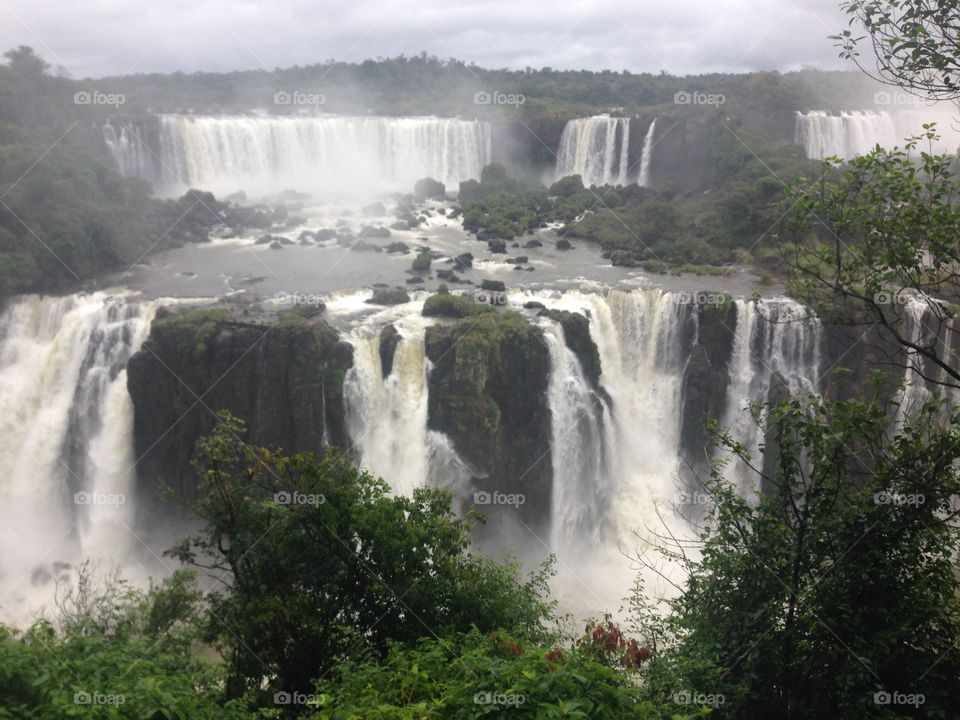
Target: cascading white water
[
  {"x": 924, "y": 324},
  {"x": 129, "y": 151},
  {"x": 646, "y": 155},
  {"x": 66, "y": 424},
  {"x": 776, "y": 340},
  {"x": 387, "y": 417},
  {"x": 261, "y": 154},
  {"x": 595, "y": 148},
  {"x": 849, "y": 134},
  {"x": 580, "y": 477},
  {"x": 644, "y": 339}
]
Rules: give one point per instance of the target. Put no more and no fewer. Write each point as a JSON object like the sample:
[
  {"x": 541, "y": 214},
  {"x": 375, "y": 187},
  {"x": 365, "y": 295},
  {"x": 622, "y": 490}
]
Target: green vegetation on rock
[{"x": 454, "y": 306}]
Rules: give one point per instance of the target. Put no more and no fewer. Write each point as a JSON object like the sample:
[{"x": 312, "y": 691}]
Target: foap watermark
[
  {"x": 300, "y": 99},
  {"x": 488, "y": 697},
  {"x": 690, "y": 697},
  {"x": 98, "y": 698},
  {"x": 94, "y": 97},
  {"x": 886, "y": 497},
  {"x": 895, "y": 97},
  {"x": 298, "y": 498},
  {"x": 686, "y": 497},
  {"x": 490, "y": 297},
  {"x": 698, "y": 98},
  {"x": 703, "y": 298},
  {"x": 498, "y": 98},
  {"x": 898, "y": 698},
  {"x": 890, "y": 297},
  {"x": 294, "y": 698},
  {"x": 98, "y": 498},
  {"x": 482, "y": 497},
  {"x": 298, "y": 299}
]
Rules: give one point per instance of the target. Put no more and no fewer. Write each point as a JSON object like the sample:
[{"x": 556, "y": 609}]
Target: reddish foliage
[
  {"x": 607, "y": 639},
  {"x": 553, "y": 656},
  {"x": 508, "y": 645}
]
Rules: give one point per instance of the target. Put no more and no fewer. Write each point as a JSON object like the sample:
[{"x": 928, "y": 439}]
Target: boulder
[
  {"x": 389, "y": 296},
  {"x": 369, "y": 231},
  {"x": 389, "y": 339},
  {"x": 364, "y": 246}
]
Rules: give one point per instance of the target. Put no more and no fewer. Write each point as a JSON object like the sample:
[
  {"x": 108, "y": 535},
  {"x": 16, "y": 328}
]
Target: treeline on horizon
[{"x": 427, "y": 84}]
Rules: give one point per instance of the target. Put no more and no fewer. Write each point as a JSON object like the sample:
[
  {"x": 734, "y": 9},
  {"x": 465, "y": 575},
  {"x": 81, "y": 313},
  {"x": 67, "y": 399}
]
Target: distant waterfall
[
  {"x": 848, "y": 134},
  {"x": 597, "y": 149},
  {"x": 322, "y": 153},
  {"x": 66, "y": 447},
  {"x": 130, "y": 151},
  {"x": 644, "y": 178}
]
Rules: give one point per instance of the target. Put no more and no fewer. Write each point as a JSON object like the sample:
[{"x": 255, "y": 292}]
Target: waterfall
[
  {"x": 595, "y": 148},
  {"x": 580, "y": 478},
  {"x": 66, "y": 424},
  {"x": 387, "y": 417},
  {"x": 263, "y": 154},
  {"x": 129, "y": 151},
  {"x": 776, "y": 341},
  {"x": 925, "y": 324},
  {"x": 849, "y": 134},
  {"x": 644, "y": 178}
]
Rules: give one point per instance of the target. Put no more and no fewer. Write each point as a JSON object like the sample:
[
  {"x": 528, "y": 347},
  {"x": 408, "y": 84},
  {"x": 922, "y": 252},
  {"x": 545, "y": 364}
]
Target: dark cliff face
[
  {"x": 705, "y": 380},
  {"x": 488, "y": 392},
  {"x": 283, "y": 380}
]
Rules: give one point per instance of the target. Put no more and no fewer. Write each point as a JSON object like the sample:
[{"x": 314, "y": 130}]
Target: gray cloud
[{"x": 105, "y": 37}]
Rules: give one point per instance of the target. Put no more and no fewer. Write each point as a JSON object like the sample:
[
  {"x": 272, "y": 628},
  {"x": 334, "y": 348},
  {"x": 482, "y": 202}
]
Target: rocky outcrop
[
  {"x": 705, "y": 380},
  {"x": 488, "y": 393},
  {"x": 389, "y": 339},
  {"x": 576, "y": 333},
  {"x": 284, "y": 380}
]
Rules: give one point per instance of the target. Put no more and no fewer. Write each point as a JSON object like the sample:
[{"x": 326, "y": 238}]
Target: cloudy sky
[{"x": 106, "y": 37}]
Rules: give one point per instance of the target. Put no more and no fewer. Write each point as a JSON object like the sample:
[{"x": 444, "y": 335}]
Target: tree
[
  {"x": 876, "y": 245},
  {"x": 834, "y": 593},
  {"x": 318, "y": 563},
  {"x": 915, "y": 43},
  {"x": 25, "y": 63}
]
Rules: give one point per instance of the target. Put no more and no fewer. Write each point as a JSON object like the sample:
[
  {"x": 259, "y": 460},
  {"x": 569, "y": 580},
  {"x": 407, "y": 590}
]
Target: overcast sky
[{"x": 107, "y": 37}]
